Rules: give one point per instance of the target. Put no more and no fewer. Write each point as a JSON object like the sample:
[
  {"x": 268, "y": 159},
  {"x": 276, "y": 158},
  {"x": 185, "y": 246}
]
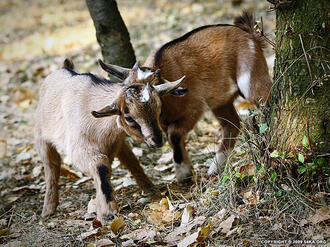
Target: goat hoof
[
  {"x": 186, "y": 181},
  {"x": 150, "y": 191},
  {"x": 47, "y": 212}
]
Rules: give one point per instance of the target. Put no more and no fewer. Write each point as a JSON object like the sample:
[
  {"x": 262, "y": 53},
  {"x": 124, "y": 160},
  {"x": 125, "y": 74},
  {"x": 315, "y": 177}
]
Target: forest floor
[{"x": 35, "y": 38}]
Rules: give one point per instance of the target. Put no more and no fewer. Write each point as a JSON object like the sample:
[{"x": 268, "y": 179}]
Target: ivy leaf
[
  {"x": 305, "y": 142},
  {"x": 301, "y": 158},
  {"x": 274, "y": 154},
  {"x": 263, "y": 128}
]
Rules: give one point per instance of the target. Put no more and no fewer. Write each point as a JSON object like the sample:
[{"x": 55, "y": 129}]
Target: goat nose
[{"x": 158, "y": 140}]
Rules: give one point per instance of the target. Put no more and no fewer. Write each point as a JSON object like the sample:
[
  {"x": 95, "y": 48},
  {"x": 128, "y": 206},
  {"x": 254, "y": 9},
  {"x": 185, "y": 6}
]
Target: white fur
[
  {"x": 220, "y": 159},
  {"x": 244, "y": 83},
  {"x": 143, "y": 74},
  {"x": 145, "y": 95},
  {"x": 252, "y": 48},
  {"x": 183, "y": 171}
]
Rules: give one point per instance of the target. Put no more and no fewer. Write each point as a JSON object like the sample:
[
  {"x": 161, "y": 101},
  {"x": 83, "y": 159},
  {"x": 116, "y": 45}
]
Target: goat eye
[{"x": 129, "y": 119}]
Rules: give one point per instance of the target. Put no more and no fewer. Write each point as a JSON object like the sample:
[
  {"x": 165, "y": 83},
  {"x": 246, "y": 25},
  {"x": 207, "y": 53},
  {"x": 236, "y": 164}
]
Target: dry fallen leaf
[
  {"x": 96, "y": 224},
  {"x": 104, "y": 243},
  {"x": 248, "y": 170},
  {"x": 251, "y": 197},
  {"x": 91, "y": 208},
  {"x": 169, "y": 177},
  {"x": 162, "y": 212},
  {"x": 137, "y": 151},
  {"x": 141, "y": 235},
  {"x": 4, "y": 232},
  {"x": 165, "y": 159},
  {"x": 187, "y": 214},
  {"x": 303, "y": 222},
  {"x": 89, "y": 234},
  {"x": 322, "y": 214},
  {"x": 3, "y": 148},
  {"x": 175, "y": 234},
  {"x": 231, "y": 232},
  {"x": 36, "y": 171},
  {"x": 23, "y": 97},
  {"x": 196, "y": 237},
  {"x": 128, "y": 243},
  {"x": 187, "y": 241},
  {"x": 82, "y": 180},
  {"x": 67, "y": 172},
  {"x": 227, "y": 224},
  {"x": 117, "y": 225}
]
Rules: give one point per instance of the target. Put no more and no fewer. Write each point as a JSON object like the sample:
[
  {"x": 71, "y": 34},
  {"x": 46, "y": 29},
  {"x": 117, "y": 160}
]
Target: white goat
[{"x": 66, "y": 122}]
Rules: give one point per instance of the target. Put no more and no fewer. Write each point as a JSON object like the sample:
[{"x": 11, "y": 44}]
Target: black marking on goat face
[
  {"x": 103, "y": 171},
  {"x": 175, "y": 139},
  {"x": 133, "y": 91}
]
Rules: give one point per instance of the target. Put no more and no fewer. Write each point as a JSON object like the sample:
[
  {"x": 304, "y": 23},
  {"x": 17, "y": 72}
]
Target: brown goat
[
  {"x": 219, "y": 62},
  {"x": 66, "y": 122}
]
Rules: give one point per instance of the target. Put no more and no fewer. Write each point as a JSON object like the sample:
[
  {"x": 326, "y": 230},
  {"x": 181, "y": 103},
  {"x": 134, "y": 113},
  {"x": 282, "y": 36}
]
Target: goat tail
[
  {"x": 247, "y": 23},
  {"x": 68, "y": 64}
]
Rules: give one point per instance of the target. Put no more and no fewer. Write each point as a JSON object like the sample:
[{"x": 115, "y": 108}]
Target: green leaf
[
  {"x": 263, "y": 128},
  {"x": 302, "y": 169},
  {"x": 323, "y": 24},
  {"x": 322, "y": 162},
  {"x": 301, "y": 158},
  {"x": 291, "y": 155},
  {"x": 274, "y": 175},
  {"x": 226, "y": 178},
  {"x": 274, "y": 154},
  {"x": 305, "y": 142},
  {"x": 238, "y": 175}
]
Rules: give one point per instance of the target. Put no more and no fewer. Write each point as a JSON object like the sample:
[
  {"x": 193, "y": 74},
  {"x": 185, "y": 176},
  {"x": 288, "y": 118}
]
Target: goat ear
[
  {"x": 169, "y": 86},
  {"x": 117, "y": 71},
  {"x": 107, "y": 111}
]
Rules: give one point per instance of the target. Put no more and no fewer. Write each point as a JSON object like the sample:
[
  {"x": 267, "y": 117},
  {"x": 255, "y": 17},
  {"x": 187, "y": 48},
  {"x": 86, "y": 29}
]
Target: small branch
[
  {"x": 262, "y": 34},
  {"x": 309, "y": 68}
]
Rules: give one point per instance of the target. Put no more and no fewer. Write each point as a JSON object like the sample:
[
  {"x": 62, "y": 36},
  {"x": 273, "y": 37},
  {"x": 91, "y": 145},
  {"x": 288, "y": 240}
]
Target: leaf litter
[{"x": 178, "y": 217}]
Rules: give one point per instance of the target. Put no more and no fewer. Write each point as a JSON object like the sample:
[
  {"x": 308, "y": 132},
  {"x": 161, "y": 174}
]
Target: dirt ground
[{"x": 35, "y": 38}]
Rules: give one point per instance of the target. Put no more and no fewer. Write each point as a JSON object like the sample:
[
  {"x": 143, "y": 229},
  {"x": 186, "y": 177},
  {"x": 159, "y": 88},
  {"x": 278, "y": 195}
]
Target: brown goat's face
[
  {"x": 140, "y": 107},
  {"x": 140, "y": 114}
]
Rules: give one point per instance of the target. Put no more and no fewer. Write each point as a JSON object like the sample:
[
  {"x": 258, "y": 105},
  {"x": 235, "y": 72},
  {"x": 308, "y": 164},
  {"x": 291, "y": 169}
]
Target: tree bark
[
  {"x": 300, "y": 100},
  {"x": 111, "y": 32}
]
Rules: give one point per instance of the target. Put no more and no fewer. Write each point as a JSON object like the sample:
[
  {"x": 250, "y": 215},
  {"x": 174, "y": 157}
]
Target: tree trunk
[
  {"x": 300, "y": 100},
  {"x": 111, "y": 32}
]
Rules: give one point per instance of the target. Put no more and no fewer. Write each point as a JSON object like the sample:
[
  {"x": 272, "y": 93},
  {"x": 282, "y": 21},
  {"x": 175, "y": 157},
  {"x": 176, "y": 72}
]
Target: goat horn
[
  {"x": 117, "y": 71},
  {"x": 136, "y": 66},
  {"x": 169, "y": 86}
]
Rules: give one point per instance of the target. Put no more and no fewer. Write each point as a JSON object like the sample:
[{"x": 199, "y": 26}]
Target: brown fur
[{"x": 219, "y": 62}]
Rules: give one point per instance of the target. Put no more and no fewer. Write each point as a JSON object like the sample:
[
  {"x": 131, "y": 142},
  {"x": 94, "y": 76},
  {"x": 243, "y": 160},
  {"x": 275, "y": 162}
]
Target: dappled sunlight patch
[{"x": 61, "y": 41}]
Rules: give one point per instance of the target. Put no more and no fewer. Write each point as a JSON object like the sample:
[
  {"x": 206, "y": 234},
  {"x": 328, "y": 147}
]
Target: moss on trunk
[{"x": 300, "y": 101}]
